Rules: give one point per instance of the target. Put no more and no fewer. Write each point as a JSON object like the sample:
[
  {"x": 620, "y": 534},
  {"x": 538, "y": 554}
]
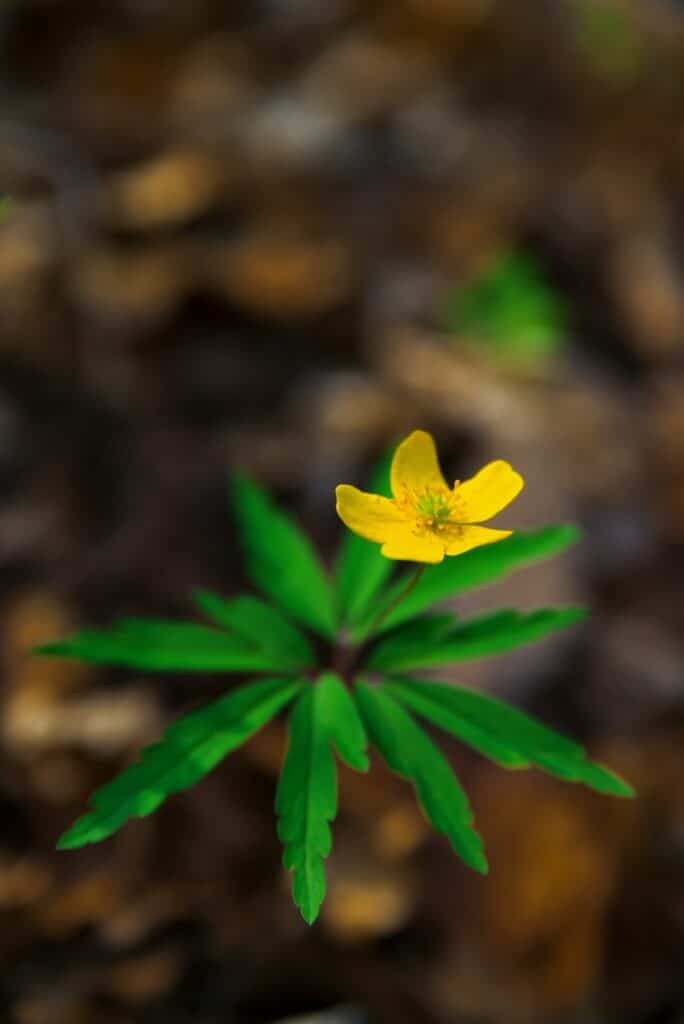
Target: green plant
[{"x": 378, "y": 635}]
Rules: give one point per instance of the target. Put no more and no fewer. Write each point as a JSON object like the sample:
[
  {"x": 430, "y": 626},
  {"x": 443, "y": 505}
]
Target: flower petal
[
  {"x": 415, "y": 466},
  {"x": 369, "y": 515},
  {"x": 458, "y": 539},
  {"x": 404, "y": 544},
  {"x": 490, "y": 490}
]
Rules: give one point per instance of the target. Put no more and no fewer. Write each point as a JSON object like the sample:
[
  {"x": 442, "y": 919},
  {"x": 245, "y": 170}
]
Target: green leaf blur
[{"x": 511, "y": 309}]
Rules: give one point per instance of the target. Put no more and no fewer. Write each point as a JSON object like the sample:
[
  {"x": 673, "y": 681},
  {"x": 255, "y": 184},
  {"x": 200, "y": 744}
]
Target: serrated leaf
[
  {"x": 189, "y": 748},
  {"x": 306, "y": 801},
  {"x": 306, "y": 798},
  {"x": 409, "y": 751},
  {"x": 503, "y": 733},
  {"x": 476, "y": 638},
  {"x": 475, "y": 568},
  {"x": 258, "y": 623},
  {"x": 498, "y": 717},
  {"x": 280, "y": 559},
  {"x": 474, "y": 734},
  {"x": 361, "y": 570},
  {"x": 167, "y": 646}
]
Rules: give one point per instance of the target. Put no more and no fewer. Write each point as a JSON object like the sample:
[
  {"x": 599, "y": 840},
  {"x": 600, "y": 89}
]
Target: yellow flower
[{"x": 426, "y": 519}]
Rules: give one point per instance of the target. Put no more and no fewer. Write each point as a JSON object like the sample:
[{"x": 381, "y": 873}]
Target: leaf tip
[
  {"x": 570, "y": 532},
  {"x": 578, "y": 612},
  {"x": 47, "y": 650},
  {"x": 477, "y": 859},
  {"x": 619, "y": 787},
  {"x": 309, "y": 915},
  {"x": 204, "y": 599},
  {"x": 603, "y": 780},
  {"x": 70, "y": 840},
  {"x": 240, "y": 484}
]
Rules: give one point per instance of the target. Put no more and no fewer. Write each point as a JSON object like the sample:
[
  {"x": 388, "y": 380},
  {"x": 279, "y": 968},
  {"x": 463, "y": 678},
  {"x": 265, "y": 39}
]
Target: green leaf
[
  {"x": 486, "y": 635},
  {"x": 361, "y": 570},
  {"x": 306, "y": 799},
  {"x": 257, "y": 623},
  {"x": 410, "y": 752},
  {"x": 167, "y": 646},
  {"x": 476, "y": 735},
  {"x": 503, "y": 733},
  {"x": 591, "y": 774},
  {"x": 341, "y": 721},
  {"x": 426, "y": 630},
  {"x": 280, "y": 559},
  {"x": 473, "y": 569},
  {"x": 189, "y": 748}
]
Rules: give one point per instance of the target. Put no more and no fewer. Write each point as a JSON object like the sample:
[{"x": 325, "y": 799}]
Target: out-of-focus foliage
[
  {"x": 511, "y": 310},
  {"x": 610, "y": 39}
]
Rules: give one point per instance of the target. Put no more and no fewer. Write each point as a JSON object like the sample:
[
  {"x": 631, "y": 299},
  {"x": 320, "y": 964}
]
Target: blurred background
[{"x": 280, "y": 235}]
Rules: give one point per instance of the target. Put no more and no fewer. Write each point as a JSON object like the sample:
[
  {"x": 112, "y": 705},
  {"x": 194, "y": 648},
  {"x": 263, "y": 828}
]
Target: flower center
[{"x": 434, "y": 509}]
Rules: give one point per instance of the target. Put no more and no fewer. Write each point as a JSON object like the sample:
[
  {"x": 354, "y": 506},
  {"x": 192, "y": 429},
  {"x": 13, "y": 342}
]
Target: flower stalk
[{"x": 379, "y": 619}]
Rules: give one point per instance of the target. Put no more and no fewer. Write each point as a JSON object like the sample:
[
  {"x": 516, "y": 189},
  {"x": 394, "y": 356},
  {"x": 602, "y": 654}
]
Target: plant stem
[{"x": 379, "y": 619}]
